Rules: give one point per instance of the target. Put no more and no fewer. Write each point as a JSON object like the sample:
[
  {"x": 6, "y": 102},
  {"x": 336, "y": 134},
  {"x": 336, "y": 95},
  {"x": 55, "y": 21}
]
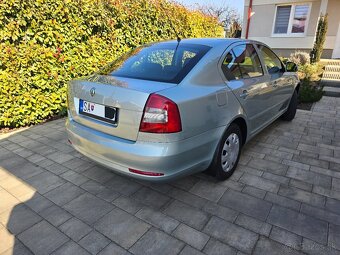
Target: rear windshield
[{"x": 164, "y": 62}]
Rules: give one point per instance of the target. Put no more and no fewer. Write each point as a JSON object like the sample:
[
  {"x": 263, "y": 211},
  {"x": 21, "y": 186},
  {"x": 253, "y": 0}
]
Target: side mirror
[{"x": 291, "y": 67}]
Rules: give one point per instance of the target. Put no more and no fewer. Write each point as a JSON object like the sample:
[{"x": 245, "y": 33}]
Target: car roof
[{"x": 211, "y": 42}]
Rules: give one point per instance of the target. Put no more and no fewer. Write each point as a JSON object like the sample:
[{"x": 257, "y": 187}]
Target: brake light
[{"x": 161, "y": 115}]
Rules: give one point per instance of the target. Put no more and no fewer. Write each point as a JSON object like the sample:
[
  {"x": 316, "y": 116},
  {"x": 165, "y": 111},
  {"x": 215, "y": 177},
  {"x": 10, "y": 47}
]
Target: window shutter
[{"x": 282, "y": 19}]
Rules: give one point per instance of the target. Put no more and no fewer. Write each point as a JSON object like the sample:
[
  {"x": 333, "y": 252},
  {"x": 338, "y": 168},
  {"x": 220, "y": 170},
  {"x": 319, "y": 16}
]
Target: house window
[{"x": 291, "y": 19}]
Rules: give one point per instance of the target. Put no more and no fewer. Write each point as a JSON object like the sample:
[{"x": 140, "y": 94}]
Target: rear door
[
  {"x": 248, "y": 81},
  {"x": 281, "y": 84}
]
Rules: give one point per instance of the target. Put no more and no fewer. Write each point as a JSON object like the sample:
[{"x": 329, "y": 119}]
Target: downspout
[{"x": 249, "y": 16}]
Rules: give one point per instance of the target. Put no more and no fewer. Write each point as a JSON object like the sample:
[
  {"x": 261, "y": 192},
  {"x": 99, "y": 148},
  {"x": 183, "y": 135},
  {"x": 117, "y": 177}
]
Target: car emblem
[{"x": 92, "y": 92}]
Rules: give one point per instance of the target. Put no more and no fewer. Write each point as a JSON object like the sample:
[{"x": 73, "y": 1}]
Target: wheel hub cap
[{"x": 230, "y": 152}]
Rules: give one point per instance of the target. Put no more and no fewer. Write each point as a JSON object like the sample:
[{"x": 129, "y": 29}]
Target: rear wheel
[
  {"x": 291, "y": 111},
  {"x": 228, "y": 153}
]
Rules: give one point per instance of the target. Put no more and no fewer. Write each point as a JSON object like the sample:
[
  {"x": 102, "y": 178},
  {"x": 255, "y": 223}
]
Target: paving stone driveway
[{"x": 284, "y": 198}]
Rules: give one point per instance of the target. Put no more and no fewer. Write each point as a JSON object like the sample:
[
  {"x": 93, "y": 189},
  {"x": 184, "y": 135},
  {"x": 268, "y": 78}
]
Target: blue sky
[{"x": 237, "y": 4}]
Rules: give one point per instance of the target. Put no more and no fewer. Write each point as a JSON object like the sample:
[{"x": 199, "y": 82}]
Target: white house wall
[{"x": 263, "y": 18}]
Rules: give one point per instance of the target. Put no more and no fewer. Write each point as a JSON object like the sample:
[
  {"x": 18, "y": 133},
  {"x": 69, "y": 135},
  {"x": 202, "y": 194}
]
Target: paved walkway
[{"x": 284, "y": 198}]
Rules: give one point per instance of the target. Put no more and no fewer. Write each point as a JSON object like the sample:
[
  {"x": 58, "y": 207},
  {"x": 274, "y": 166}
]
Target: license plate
[{"x": 98, "y": 111}]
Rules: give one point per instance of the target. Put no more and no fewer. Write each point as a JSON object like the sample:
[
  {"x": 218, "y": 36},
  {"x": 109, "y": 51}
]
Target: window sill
[{"x": 289, "y": 35}]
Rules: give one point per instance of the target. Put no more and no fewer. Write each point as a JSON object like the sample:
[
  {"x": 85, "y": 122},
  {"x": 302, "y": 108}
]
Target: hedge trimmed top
[{"x": 45, "y": 43}]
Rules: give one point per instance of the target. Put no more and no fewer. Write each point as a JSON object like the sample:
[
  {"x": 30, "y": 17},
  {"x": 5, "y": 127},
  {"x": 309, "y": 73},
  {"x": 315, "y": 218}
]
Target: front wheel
[
  {"x": 228, "y": 153},
  {"x": 291, "y": 111}
]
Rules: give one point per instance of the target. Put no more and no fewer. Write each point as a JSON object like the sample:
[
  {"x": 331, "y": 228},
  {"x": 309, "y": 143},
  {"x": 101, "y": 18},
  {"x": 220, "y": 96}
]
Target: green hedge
[{"x": 45, "y": 43}]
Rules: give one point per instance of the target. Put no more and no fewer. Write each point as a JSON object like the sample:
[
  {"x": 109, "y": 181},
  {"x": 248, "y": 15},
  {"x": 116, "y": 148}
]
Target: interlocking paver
[
  {"x": 284, "y": 197},
  {"x": 98, "y": 174},
  {"x": 75, "y": 229},
  {"x": 309, "y": 177},
  {"x": 301, "y": 185},
  {"x": 238, "y": 237},
  {"x": 298, "y": 223},
  {"x": 157, "y": 219},
  {"x": 260, "y": 183},
  {"x": 123, "y": 185},
  {"x": 246, "y": 204},
  {"x": 188, "y": 250},
  {"x": 93, "y": 187},
  {"x": 191, "y": 236},
  {"x": 156, "y": 242},
  {"x": 151, "y": 198},
  {"x": 55, "y": 215},
  {"x": 302, "y": 196},
  {"x": 64, "y": 193},
  {"x": 312, "y": 248},
  {"x": 321, "y": 214},
  {"x": 287, "y": 238},
  {"x": 269, "y": 166},
  {"x": 128, "y": 204},
  {"x": 187, "y": 197},
  {"x": 252, "y": 224},
  {"x": 8, "y": 201},
  {"x": 18, "y": 248},
  {"x": 88, "y": 208},
  {"x": 19, "y": 219},
  {"x": 94, "y": 242},
  {"x": 7, "y": 239},
  {"x": 74, "y": 177},
  {"x": 121, "y": 227},
  {"x": 113, "y": 249},
  {"x": 215, "y": 247},
  {"x": 70, "y": 248},
  {"x": 187, "y": 214},
  {"x": 334, "y": 236},
  {"x": 42, "y": 238},
  {"x": 208, "y": 190},
  {"x": 333, "y": 205},
  {"x": 259, "y": 193},
  {"x": 45, "y": 182},
  {"x": 267, "y": 246},
  {"x": 38, "y": 203}
]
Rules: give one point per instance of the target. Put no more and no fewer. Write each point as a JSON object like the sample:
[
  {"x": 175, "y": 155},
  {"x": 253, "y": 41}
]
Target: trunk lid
[{"x": 128, "y": 95}]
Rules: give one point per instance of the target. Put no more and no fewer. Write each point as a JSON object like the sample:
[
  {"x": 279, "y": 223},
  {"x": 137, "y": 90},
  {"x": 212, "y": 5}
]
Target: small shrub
[
  {"x": 299, "y": 58},
  {"x": 310, "y": 72},
  {"x": 309, "y": 92}
]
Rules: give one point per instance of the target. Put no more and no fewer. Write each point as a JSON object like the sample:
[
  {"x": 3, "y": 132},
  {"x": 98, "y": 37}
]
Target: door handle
[{"x": 244, "y": 94}]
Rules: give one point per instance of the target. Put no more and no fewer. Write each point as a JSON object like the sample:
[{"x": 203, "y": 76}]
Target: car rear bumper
[{"x": 172, "y": 159}]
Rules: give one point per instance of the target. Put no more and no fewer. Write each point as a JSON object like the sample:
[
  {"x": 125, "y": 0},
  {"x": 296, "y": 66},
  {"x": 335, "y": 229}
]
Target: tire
[
  {"x": 230, "y": 139},
  {"x": 291, "y": 111}
]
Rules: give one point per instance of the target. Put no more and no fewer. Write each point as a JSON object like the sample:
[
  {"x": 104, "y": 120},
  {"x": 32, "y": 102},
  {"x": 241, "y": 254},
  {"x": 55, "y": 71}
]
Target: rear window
[{"x": 164, "y": 62}]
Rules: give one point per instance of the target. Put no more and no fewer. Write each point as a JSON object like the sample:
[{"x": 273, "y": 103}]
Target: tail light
[{"x": 161, "y": 115}]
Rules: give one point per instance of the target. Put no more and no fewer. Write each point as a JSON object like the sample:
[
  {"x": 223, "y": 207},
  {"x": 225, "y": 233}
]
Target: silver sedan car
[{"x": 174, "y": 108}]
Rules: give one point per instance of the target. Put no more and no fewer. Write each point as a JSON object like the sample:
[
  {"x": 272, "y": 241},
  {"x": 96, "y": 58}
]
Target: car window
[
  {"x": 272, "y": 62},
  {"x": 165, "y": 62},
  {"x": 242, "y": 62}
]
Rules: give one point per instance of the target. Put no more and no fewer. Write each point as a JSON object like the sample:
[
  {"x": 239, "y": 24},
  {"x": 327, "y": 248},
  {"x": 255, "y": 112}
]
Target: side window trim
[
  {"x": 257, "y": 46},
  {"x": 231, "y": 47}
]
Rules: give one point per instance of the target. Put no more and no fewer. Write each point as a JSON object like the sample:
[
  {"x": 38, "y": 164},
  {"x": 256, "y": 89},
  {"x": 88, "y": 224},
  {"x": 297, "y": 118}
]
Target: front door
[
  {"x": 282, "y": 84},
  {"x": 244, "y": 72}
]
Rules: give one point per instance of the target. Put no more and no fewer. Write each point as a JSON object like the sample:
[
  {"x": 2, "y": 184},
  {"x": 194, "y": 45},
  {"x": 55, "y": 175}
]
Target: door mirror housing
[{"x": 291, "y": 67}]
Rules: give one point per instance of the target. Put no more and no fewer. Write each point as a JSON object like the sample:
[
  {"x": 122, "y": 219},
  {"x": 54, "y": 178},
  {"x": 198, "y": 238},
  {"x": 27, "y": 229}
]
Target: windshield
[{"x": 164, "y": 62}]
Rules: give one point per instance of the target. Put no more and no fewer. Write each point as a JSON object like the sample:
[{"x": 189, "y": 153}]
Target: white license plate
[{"x": 98, "y": 111}]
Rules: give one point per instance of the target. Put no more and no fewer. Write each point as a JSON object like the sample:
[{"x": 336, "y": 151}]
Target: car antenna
[{"x": 172, "y": 26}]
